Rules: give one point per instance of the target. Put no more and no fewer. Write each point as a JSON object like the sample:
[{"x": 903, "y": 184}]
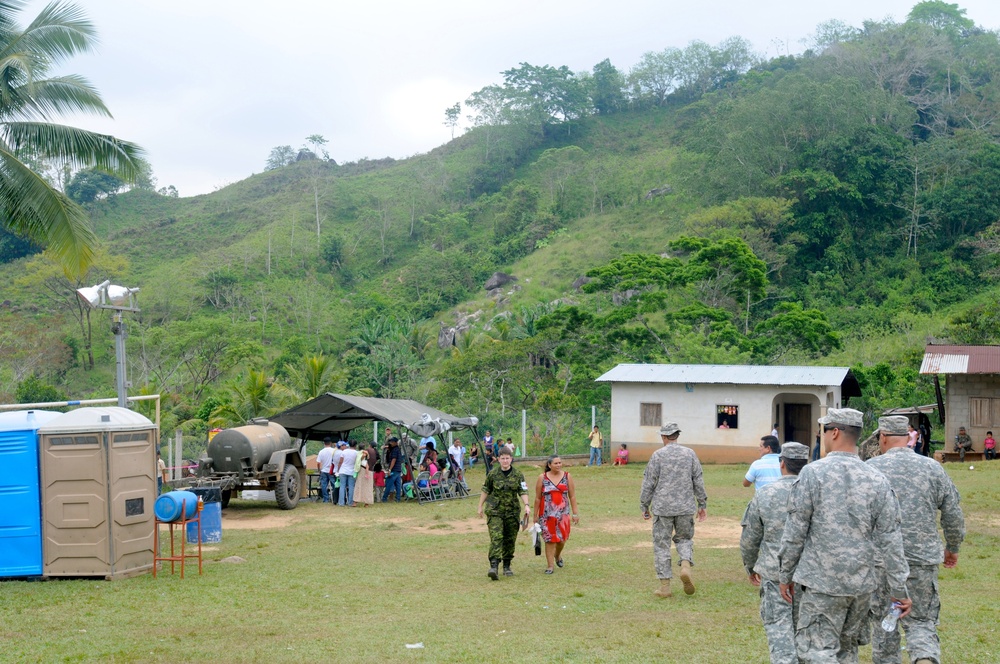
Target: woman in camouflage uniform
[{"x": 503, "y": 490}]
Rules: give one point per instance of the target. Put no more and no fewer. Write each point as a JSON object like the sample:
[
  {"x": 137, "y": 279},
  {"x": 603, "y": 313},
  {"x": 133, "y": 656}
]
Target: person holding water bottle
[{"x": 923, "y": 489}]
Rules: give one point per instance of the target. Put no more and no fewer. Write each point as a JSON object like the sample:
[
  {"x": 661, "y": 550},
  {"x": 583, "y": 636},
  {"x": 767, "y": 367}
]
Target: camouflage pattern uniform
[
  {"x": 763, "y": 524},
  {"x": 671, "y": 486},
  {"x": 840, "y": 513},
  {"x": 963, "y": 444},
  {"x": 923, "y": 489},
  {"x": 503, "y": 509}
]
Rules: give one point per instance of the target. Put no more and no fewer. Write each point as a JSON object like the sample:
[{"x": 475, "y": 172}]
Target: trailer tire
[
  {"x": 224, "y": 500},
  {"x": 286, "y": 492}
]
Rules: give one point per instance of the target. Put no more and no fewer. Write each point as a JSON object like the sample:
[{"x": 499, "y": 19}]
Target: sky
[{"x": 209, "y": 87}]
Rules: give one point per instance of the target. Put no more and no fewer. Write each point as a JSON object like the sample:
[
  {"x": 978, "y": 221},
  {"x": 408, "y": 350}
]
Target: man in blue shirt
[{"x": 767, "y": 468}]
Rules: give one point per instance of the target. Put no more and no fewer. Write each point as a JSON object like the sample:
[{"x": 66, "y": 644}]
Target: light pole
[{"x": 106, "y": 295}]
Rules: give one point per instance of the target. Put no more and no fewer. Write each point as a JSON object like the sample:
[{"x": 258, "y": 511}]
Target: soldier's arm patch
[{"x": 524, "y": 485}]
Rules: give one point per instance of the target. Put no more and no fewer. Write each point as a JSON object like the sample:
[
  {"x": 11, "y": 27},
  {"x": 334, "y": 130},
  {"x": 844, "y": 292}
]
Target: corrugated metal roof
[
  {"x": 734, "y": 374},
  {"x": 943, "y": 359}
]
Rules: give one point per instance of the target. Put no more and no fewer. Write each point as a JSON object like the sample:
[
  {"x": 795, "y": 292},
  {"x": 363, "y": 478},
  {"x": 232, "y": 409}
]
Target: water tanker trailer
[{"x": 260, "y": 455}]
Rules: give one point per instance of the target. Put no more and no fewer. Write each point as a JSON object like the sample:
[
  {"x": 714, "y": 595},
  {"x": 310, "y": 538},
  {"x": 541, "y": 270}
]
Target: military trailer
[{"x": 260, "y": 455}]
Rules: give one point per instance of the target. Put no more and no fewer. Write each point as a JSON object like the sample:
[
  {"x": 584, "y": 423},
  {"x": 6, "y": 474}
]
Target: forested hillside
[{"x": 702, "y": 205}]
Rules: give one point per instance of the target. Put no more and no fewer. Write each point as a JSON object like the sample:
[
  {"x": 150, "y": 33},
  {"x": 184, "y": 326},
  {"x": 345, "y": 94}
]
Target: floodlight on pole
[{"x": 106, "y": 295}]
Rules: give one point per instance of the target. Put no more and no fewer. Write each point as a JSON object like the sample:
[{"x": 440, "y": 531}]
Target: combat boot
[
  {"x": 493, "y": 570},
  {"x": 506, "y": 568},
  {"x": 686, "y": 577},
  {"x": 664, "y": 590}
]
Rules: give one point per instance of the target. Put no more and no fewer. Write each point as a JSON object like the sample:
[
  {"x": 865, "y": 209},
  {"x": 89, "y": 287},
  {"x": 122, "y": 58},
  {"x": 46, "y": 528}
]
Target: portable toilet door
[
  {"x": 20, "y": 503},
  {"x": 98, "y": 470}
]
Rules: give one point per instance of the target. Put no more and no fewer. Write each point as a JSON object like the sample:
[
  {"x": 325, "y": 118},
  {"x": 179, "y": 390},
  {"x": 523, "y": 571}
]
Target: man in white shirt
[
  {"x": 457, "y": 455},
  {"x": 348, "y": 459},
  {"x": 324, "y": 461}
]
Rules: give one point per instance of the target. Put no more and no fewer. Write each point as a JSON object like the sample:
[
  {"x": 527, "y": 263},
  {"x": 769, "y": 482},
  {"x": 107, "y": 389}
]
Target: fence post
[
  {"x": 179, "y": 454},
  {"x": 524, "y": 432}
]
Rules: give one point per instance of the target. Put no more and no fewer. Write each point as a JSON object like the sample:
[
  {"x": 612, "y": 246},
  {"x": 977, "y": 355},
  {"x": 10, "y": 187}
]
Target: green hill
[{"x": 836, "y": 207}]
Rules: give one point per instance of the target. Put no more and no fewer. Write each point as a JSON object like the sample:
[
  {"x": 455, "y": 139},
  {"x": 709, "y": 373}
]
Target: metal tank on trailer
[{"x": 260, "y": 455}]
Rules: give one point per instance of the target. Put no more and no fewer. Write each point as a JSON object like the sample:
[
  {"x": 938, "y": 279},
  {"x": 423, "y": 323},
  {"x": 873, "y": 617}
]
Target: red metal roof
[{"x": 944, "y": 359}]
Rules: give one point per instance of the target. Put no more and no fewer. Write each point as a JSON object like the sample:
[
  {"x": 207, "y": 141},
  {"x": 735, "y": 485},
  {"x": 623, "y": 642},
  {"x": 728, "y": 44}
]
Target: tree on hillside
[
  {"x": 29, "y": 206},
  {"x": 280, "y": 156},
  {"x": 92, "y": 184},
  {"x": 247, "y": 397},
  {"x": 318, "y": 143},
  {"x": 545, "y": 93},
  {"x": 606, "y": 85},
  {"x": 942, "y": 16},
  {"x": 43, "y": 276},
  {"x": 451, "y": 117}
]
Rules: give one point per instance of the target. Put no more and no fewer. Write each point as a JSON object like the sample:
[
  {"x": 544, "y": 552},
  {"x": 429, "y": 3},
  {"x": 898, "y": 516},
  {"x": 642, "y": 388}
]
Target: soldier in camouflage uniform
[
  {"x": 963, "y": 443},
  {"x": 923, "y": 489},
  {"x": 503, "y": 490},
  {"x": 671, "y": 487},
  {"x": 842, "y": 515},
  {"x": 763, "y": 523}
]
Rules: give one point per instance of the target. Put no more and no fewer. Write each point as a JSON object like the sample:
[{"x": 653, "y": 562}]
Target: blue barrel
[
  {"x": 211, "y": 525},
  {"x": 168, "y": 506}
]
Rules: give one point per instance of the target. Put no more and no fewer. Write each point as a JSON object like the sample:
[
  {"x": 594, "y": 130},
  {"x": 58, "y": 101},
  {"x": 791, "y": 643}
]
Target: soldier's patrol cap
[
  {"x": 893, "y": 425},
  {"x": 847, "y": 417},
  {"x": 669, "y": 429},
  {"x": 794, "y": 451}
]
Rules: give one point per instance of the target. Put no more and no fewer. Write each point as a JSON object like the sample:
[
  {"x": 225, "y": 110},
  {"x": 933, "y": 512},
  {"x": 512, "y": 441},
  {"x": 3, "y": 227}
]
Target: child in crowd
[
  {"x": 990, "y": 446},
  {"x": 622, "y": 457}
]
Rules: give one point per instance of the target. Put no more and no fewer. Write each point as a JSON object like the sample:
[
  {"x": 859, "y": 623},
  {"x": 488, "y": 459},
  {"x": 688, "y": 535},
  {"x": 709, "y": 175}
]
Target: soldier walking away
[
  {"x": 763, "y": 524},
  {"x": 673, "y": 491},
  {"x": 842, "y": 517},
  {"x": 504, "y": 491},
  {"x": 923, "y": 489},
  {"x": 963, "y": 443}
]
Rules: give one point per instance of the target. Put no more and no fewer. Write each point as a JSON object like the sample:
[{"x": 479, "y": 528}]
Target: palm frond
[
  {"x": 32, "y": 209},
  {"x": 78, "y": 147}
]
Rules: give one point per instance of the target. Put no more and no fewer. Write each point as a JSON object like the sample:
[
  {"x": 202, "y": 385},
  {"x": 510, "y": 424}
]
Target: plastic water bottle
[{"x": 891, "y": 618}]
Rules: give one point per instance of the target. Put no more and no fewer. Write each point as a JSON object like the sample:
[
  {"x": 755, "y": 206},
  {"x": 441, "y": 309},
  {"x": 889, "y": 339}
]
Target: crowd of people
[
  {"x": 351, "y": 474},
  {"x": 836, "y": 545},
  {"x": 833, "y": 544}
]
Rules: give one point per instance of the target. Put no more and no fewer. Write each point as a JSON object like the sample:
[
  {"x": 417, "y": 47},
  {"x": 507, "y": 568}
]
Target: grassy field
[{"x": 322, "y": 583}]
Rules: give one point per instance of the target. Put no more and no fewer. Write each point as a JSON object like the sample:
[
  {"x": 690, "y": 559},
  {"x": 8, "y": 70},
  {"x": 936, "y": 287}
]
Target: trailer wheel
[
  {"x": 224, "y": 501},
  {"x": 286, "y": 492}
]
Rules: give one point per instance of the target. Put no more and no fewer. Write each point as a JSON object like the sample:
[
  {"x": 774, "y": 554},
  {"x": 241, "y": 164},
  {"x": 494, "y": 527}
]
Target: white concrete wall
[{"x": 693, "y": 407}]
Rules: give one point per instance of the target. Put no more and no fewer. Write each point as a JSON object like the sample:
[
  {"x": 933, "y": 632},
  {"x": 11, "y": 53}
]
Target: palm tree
[
  {"x": 247, "y": 397},
  {"x": 315, "y": 376},
  {"x": 30, "y": 207}
]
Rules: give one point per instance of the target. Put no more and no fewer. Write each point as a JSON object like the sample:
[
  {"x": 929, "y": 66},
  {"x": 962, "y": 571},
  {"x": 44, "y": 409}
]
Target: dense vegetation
[{"x": 838, "y": 207}]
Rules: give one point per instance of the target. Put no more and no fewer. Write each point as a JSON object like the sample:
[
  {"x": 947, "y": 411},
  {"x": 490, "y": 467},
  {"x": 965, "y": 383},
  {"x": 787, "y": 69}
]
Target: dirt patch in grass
[
  {"x": 237, "y": 521},
  {"x": 721, "y": 532},
  {"x": 462, "y": 527}
]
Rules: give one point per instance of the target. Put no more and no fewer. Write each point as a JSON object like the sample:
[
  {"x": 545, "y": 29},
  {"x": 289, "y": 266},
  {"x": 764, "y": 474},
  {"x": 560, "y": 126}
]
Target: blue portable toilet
[{"x": 20, "y": 496}]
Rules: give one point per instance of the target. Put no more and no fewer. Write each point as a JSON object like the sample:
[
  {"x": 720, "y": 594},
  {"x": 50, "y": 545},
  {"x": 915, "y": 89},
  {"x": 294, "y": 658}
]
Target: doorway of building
[{"x": 798, "y": 423}]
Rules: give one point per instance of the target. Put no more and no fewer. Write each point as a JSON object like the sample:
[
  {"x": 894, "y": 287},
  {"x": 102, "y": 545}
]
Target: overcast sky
[{"x": 208, "y": 87}]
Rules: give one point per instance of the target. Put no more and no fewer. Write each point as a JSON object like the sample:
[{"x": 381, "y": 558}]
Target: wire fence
[{"x": 532, "y": 432}]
